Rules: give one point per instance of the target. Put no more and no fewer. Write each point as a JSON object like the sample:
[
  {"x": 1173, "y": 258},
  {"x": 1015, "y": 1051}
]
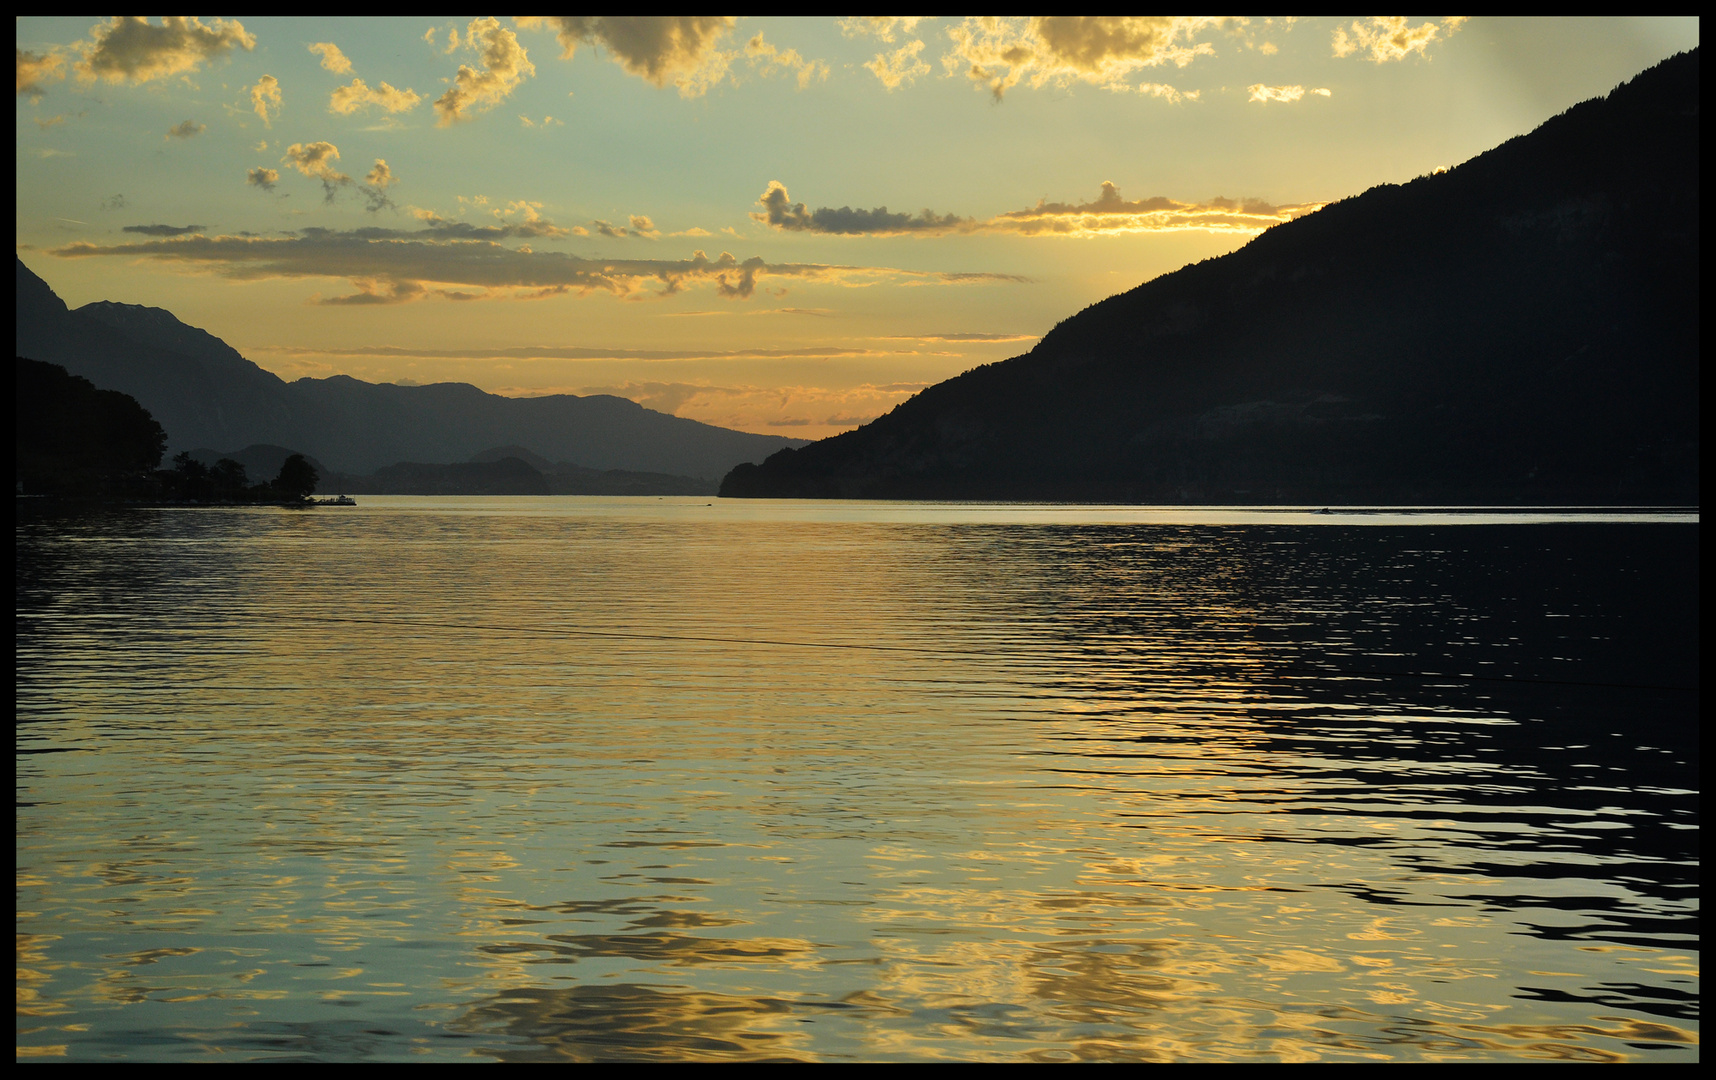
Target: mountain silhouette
[
  {"x": 1520, "y": 329},
  {"x": 207, "y": 395}
]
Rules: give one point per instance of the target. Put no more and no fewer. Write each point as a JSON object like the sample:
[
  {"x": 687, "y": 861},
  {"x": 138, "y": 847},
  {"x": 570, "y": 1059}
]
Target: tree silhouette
[
  {"x": 74, "y": 439},
  {"x": 297, "y": 477}
]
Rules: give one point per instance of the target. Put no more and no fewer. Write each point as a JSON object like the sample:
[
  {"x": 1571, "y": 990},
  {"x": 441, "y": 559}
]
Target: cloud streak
[
  {"x": 780, "y": 212},
  {"x": 163, "y": 230},
  {"x": 1108, "y": 214},
  {"x": 1265, "y": 94},
  {"x": 395, "y": 266}
]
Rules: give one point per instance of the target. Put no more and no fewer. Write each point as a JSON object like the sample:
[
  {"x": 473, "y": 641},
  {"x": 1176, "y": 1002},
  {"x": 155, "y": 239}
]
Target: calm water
[{"x": 573, "y": 778}]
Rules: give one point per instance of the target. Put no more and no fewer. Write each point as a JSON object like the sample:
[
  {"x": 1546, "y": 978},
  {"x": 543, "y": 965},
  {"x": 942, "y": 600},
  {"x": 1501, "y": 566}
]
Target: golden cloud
[
  {"x": 381, "y": 176},
  {"x": 881, "y": 27},
  {"x": 349, "y": 99},
  {"x": 315, "y": 160},
  {"x": 1265, "y": 94},
  {"x": 332, "y": 58},
  {"x": 1061, "y": 49},
  {"x": 186, "y": 130},
  {"x": 680, "y": 49},
  {"x": 1388, "y": 37},
  {"x": 505, "y": 65},
  {"x": 1110, "y": 214},
  {"x": 770, "y": 60},
  {"x": 265, "y": 99},
  {"x": 132, "y": 49},
  {"x": 530, "y": 224},
  {"x": 34, "y": 69},
  {"x": 263, "y": 178},
  {"x": 394, "y": 266},
  {"x": 901, "y": 67},
  {"x": 1162, "y": 90}
]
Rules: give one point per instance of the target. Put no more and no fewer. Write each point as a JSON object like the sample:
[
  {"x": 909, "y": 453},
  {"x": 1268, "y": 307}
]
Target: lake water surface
[{"x": 582, "y": 778}]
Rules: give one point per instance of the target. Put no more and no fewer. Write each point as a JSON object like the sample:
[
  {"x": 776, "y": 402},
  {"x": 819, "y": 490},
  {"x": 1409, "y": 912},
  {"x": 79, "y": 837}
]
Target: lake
[{"x": 572, "y": 778}]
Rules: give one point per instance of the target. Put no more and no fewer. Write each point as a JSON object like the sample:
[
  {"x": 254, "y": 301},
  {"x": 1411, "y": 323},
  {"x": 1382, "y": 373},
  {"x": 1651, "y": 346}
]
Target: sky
[{"x": 785, "y": 226}]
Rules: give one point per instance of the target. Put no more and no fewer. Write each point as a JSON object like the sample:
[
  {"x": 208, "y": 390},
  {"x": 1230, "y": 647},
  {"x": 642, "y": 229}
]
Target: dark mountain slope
[
  {"x": 1523, "y": 328},
  {"x": 205, "y": 394},
  {"x": 200, "y": 390}
]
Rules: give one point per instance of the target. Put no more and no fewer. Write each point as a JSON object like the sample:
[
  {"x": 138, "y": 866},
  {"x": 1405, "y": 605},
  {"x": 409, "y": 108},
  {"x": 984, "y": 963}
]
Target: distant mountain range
[
  {"x": 1520, "y": 329},
  {"x": 499, "y": 470},
  {"x": 206, "y": 395}
]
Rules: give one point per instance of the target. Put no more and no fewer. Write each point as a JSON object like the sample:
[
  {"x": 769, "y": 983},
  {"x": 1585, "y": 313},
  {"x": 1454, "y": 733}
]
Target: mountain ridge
[
  {"x": 205, "y": 394},
  {"x": 1522, "y": 327}
]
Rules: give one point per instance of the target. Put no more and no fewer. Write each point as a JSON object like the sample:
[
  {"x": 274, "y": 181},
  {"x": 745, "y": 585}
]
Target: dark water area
[{"x": 628, "y": 779}]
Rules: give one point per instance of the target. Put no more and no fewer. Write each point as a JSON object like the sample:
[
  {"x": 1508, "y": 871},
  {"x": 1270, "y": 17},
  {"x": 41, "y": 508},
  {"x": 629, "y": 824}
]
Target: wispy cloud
[
  {"x": 881, "y": 27},
  {"x": 1265, "y": 94},
  {"x": 1382, "y": 38},
  {"x": 769, "y": 60},
  {"x": 187, "y": 129},
  {"x": 900, "y": 67}
]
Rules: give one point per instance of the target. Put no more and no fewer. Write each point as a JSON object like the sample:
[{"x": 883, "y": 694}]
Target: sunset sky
[{"x": 783, "y": 226}]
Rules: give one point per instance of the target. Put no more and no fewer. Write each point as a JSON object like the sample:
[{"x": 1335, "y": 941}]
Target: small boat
[{"x": 342, "y": 500}]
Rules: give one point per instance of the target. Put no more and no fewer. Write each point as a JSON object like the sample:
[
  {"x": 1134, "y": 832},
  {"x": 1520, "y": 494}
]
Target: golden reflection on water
[{"x": 1074, "y": 797}]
